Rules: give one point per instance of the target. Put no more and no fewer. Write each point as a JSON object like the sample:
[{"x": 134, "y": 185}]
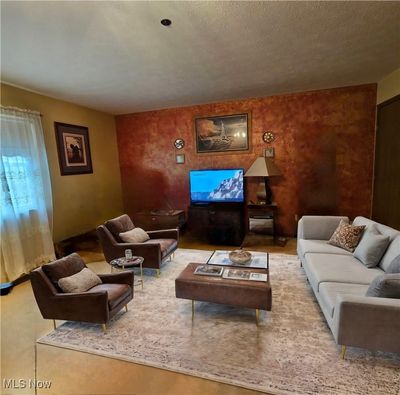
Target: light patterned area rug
[{"x": 292, "y": 351}]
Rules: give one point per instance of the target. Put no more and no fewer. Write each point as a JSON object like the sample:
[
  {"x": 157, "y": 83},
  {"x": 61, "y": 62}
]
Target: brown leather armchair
[
  {"x": 98, "y": 305},
  {"x": 161, "y": 245}
]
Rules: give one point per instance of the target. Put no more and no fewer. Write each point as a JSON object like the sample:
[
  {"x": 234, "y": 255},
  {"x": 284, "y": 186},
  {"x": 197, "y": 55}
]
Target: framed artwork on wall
[
  {"x": 269, "y": 152},
  {"x": 180, "y": 159},
  {"x": 222, "y": 133},
  {"x": 73, "y": 149}
]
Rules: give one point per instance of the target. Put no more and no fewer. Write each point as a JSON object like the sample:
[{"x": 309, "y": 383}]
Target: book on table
[
  {"x": 237, "y": 274},
  {"x": 207, "y": 270},
  {"x": 259, "y": 277}
]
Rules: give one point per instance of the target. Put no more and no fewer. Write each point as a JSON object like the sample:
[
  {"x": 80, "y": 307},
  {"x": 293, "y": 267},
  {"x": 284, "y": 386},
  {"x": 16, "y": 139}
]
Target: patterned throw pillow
[{"x": 346, "y": 236}]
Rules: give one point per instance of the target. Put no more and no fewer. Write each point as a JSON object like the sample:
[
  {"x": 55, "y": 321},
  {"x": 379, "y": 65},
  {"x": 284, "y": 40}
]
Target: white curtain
[{"x": 26, "y": 201}]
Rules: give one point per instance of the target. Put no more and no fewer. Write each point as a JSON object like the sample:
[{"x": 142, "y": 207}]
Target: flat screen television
[{"x": 216, "y": 186}]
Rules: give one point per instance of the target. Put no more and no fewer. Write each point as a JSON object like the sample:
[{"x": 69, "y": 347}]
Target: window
[
  {"x": 17, "y": 184},
  {"x": 26, "y": 204}
]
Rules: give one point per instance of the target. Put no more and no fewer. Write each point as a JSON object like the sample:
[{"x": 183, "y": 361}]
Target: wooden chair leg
[
  {"x": 104, "y": 327},
  {"x": 54, "y": 324}
]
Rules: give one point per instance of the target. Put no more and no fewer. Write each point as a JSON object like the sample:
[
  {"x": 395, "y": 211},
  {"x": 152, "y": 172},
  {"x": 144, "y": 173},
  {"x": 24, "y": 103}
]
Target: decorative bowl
[{"x": 240, "y": 257}]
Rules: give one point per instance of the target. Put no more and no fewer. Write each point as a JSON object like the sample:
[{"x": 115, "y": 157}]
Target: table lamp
[{"x": 265, "y": 168}]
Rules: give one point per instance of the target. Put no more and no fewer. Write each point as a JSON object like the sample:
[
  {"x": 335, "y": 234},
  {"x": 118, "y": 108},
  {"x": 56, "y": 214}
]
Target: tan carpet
[{"x": 291, "y": 352}]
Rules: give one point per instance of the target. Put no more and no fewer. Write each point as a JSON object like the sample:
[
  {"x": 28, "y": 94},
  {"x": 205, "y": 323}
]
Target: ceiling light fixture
[{"x": 166, "y": 22}]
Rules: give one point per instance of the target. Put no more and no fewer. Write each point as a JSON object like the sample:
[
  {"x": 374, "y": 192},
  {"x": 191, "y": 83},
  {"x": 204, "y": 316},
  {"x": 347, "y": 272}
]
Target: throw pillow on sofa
[
  {"x": 371, "y": 247},
  {"x": 136, "y": 235},
  {"x": 347, "y": 236},
  {"x": 394, "y": 266},
  {"x": 385, "y": 286},
  {"x": 79, "y": 282}
]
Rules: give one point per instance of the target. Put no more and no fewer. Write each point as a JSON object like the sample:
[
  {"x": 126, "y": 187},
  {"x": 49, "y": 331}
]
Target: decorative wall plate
[
  {"x": 268, "y": 137},
  {"x": 179, "y": 143}
]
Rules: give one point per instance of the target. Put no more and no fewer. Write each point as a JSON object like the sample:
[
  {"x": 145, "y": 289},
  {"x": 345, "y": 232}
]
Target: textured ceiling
[{"x": 117, "y": 57}]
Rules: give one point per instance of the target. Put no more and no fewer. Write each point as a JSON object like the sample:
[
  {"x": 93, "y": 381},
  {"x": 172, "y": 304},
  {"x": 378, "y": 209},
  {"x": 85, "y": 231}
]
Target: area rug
[{"x": 292, "y": 351}]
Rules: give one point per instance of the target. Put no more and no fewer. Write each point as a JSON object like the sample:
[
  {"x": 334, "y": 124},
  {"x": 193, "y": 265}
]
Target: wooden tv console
[
  {"x": 218, "y": 223},
  {"x": 160, "y": 219}
]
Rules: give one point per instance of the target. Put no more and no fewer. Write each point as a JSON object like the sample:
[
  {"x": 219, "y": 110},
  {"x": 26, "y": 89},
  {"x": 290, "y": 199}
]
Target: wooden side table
[
  {"x": 262, "y": 212},
  {"x": 160, "y": 219}
]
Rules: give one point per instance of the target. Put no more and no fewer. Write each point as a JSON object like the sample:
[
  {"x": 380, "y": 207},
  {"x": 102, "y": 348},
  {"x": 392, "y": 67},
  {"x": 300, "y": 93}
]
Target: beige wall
[
  {"x": 389, "y": 86},
  {"x": 80, "y": 202}
]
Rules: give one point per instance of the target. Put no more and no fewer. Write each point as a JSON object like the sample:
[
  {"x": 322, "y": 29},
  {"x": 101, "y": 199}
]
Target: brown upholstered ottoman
[{"x": 239, "y": 293}]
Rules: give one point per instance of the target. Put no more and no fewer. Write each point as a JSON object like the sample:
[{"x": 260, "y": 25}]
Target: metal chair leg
[
  {"x": 104, "y": 327},
  {"x": 343, "y": 353},
  {"x": 126, "y": 308},
  {"x": 54, "y": 324}
]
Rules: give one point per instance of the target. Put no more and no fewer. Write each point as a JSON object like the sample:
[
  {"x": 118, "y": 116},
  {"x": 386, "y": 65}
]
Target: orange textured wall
[{"x": 324, "y": 147}]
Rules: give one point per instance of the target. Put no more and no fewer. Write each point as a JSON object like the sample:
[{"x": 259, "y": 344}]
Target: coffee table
[
  {"x": 259, "y": 260},
  {"x": 239, "y": 293}
]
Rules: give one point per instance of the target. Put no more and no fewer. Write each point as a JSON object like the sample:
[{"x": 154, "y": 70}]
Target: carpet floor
[{"x": 292, "y": 351}]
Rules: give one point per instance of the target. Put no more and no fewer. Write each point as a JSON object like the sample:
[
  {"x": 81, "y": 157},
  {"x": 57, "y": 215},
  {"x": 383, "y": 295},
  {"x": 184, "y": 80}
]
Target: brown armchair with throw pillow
[
  {"x": 104, "y": 296},
  {"x": 160, "y": 245}
]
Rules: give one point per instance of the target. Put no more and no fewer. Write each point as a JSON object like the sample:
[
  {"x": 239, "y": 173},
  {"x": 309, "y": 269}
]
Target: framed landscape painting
[
  {"x": 73, "y": 149},
  {"x": 222, "y": 133}
]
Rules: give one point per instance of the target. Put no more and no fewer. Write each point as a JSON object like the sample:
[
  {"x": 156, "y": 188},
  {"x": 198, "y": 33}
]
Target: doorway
[{"x": 386, "y": 195}]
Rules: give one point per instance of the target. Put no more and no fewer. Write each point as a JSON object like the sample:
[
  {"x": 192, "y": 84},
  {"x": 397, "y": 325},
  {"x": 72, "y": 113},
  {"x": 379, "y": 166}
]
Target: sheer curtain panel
[{"x": 26, "y": 201}]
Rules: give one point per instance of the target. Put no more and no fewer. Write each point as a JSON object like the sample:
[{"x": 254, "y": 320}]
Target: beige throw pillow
[
  {"x": 79, "y": 282},
  {"x": 136, "y": 235},
  {"x": 346, "y": 236},
  {"x": 371, "y": 247}
]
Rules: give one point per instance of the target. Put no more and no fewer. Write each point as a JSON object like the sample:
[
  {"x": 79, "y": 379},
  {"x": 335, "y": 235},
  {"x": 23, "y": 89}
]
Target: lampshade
[{"x": 263, "y": 167}]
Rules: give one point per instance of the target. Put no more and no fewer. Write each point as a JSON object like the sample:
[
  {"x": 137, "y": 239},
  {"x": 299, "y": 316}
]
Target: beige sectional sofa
[{"x": 340, "y": 282}]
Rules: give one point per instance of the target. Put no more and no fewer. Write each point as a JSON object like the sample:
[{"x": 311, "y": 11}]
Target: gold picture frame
[{"x": 218, "y": 134}]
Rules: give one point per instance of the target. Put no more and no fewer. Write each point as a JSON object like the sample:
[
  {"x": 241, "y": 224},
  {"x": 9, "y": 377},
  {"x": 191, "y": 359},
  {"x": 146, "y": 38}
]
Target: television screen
[{"x": 218, "y": 185}]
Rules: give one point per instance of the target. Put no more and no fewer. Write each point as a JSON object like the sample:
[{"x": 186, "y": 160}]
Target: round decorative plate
[
  {"x": 179, "y": 143},
  {"x": 268, "y": 137}
]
